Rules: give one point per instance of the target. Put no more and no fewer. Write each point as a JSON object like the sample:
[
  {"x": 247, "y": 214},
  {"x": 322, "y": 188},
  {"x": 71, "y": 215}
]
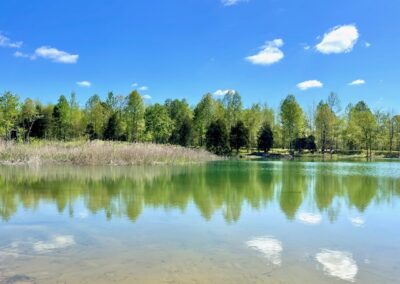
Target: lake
[{"x": 224, "y": 222}]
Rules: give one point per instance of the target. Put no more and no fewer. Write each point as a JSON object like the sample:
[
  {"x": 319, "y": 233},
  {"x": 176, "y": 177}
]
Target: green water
[{"x": 226, "y": 222}]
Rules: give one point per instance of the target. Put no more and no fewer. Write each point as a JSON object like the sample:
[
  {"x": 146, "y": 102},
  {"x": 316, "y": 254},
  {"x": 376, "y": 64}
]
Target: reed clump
[{"x": 99, "y": 153}]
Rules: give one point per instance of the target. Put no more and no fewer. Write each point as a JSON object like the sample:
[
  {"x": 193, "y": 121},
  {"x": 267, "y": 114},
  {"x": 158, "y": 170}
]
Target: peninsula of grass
[{"x": 99, "y": 153}]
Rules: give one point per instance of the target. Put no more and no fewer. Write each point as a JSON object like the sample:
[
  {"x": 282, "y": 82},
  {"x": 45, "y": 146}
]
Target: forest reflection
[{"x": 220, "y": 187}]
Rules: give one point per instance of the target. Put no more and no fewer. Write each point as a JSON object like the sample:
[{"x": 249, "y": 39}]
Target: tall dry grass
[{"x": 99, "y": 153}]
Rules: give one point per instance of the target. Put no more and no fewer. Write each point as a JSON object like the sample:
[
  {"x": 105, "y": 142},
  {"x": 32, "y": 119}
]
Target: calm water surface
[{"x": 229, "y": 222}]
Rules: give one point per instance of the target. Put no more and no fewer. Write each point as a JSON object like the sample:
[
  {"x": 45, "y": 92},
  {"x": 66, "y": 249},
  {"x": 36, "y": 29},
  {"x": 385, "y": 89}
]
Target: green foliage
[
  {"x": 265, "y": 138},
  {"x": 111, "y": 130},
  {"x": 232, "y": 103},
  {"x": 180, "y": 114},
  {"x": 9, "y": 105},
  {"x": 126, "y": 118},
  {"x": 292, "y": 119},
  {"x": 305, "y": 143},
  {"x": 363, "y": 124},
  {"x": 61, "y": 120},
  {"x": 158, "y": 124},
  {"x": 134, "y": 115},
  {"x": 204, "y": 114},
  {"x": 325, "y": 120},
  {"x": 217, "y": 138},
  {"x": 239, "y": 136},
  {"x": 185, "y": 133},
  {"x": 96, "y": 113}
]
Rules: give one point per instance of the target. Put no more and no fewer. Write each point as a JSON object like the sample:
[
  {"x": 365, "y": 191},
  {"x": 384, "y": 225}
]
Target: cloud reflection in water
[
  {"x": 338, "y": 264},
  {"x": 270, "y": 247}
]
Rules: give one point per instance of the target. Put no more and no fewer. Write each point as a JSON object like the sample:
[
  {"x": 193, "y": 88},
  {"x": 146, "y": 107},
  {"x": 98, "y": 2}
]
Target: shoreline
[{"x": 275, "y": 156}]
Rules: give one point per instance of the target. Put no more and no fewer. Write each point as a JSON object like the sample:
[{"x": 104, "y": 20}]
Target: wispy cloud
[
  {"x": 367, "y": 44},
  {"x": 6, "y": 42},
  {"x": 221, "y": 93},
  {"x": 134, "y": 85},
  {"x": 56, "y": 55},
  {"x": 146, "y": 97},
  {"x": 143, "y": 88},
  {"x": 269, "y": 54},
  {"x": 85, "y": 84},
  {"x": 23, "y": 55},
  {"x": 309, "y": 84},
  {"x": 232, "y": 2},
  {"x": 340, "y": 39},
  {"x": 357, "y": 82}
]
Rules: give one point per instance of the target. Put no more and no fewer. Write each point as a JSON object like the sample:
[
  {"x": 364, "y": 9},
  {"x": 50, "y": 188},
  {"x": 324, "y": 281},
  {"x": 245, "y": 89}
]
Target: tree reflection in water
[{"x": 224, "y": 187}]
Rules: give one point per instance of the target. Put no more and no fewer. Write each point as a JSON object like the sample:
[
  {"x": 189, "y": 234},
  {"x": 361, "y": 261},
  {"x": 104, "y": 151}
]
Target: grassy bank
[
  {"x": 99, "y": 153},
  {"x": 283, "y": 154}
]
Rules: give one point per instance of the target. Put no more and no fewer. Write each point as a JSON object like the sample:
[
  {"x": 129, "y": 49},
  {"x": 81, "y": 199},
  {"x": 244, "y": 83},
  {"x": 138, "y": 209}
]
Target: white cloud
[
  {"x": 23, "y": 55},
  {"x": 309, "y": 84},
  {"x": 134, "y": 85},
  {"x": 269, "y": 53},
  {"x": 338, "y": 264},
  {"x": 221, "y": 93},
  {"x": 146, "y": 97},
  {"x": 56, "y": 55},
  {"x": 58, "y": 242},
  {"x": 143, "y": 88},
  {"x": 340, "y": 39},
  {"x": 367, "y": 44},
  {"x": 6, "y": 42},
  {"x": 307, "y": 47},
  {"x": 231, "y": 2},
  {"x": 85, "y": 84},
  {"x": 357, "y": 82},
  {"x": 270, "y": 247},
  {"x": 309, "y": 218}
]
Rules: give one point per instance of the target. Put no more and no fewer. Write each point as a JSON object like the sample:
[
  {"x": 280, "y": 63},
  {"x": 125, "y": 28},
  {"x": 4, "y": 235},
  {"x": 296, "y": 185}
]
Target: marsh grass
[{"x": 99, "y": 153}]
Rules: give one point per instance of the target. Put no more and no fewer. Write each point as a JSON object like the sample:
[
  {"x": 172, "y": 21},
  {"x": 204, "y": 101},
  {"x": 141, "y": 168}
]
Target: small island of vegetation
[{"x": 174, "y": 132}]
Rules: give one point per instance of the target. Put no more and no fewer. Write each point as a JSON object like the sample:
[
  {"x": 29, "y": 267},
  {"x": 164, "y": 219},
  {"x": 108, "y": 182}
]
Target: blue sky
[{"x": 264, "y": 49}]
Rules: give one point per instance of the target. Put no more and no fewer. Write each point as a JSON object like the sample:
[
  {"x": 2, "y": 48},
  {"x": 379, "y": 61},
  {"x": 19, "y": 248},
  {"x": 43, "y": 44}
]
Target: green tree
[
  {"x": 324, "y": 123},
  {"x": 77, "y": 120},
  {"x": 9, "y": 106},
  {"x": 97, "y": 115},
  {"x": 158, "y": 124},
  {"x": 265, "y": 138},
  {"x": 239, "y": 136},
  {"x": 185, "y": 133},
  {"x": 111, "y": 130},
  {"x": 180, "y": 114},
  {"x": 217, "y": 140},
  {"x": 363, "y": 123},
  {"x": 134, "y": 114},
  {"x": 253, "y": 119},
  {"x": 292, "y": 119},
  {"x": 61, "y": 125},
  {"x": 203, "y": 116},
  {"x": 42, "y": 128},
  {"x": 29, "y": 115},
  {"x": 232, "y": 103}
]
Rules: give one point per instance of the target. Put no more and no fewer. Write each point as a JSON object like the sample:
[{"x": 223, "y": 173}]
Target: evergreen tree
[
  {"x": 265, "y": 138},
  {"x": 217, "y": 138},
  {"x": 239, "y": 136},
  {"x": 111, "y": 130}
]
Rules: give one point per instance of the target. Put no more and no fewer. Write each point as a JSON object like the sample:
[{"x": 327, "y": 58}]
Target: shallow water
[{"x": 226, "y": 222}]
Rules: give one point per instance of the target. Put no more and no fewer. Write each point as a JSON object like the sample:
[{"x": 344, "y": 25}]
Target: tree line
[{"x": 221, "y": 125}]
